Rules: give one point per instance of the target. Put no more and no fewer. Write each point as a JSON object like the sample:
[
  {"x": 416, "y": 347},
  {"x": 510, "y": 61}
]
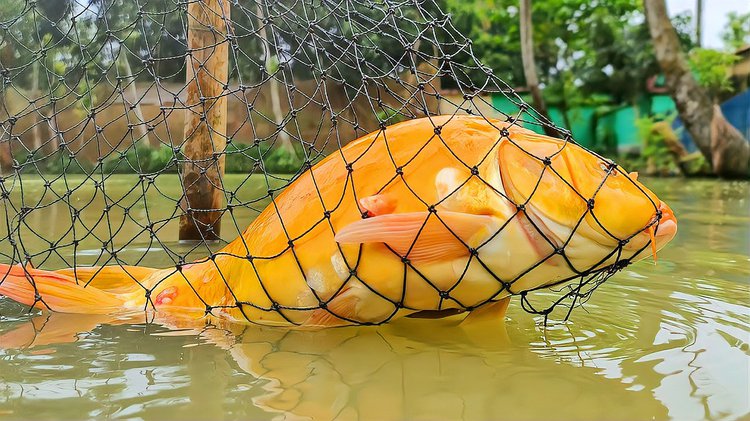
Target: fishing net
[{"x": 151, "y": 133}]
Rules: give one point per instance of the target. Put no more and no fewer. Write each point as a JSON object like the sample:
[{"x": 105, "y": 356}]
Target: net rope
[{"x": 96, "y": 170}]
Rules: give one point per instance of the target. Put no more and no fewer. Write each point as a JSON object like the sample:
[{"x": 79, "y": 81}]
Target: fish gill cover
[{"x": 288, "y": 162}]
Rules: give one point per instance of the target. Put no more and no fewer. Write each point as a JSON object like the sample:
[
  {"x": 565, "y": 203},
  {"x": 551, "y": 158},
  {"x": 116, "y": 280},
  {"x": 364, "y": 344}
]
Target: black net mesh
[{"x": 129, "y": 126}]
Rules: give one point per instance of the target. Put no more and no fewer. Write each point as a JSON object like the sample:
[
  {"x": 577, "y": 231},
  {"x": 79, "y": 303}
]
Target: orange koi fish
[{"x": 440, "y": 213}]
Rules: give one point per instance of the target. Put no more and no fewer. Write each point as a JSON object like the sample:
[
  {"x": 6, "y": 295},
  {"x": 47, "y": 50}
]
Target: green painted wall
[
  {"x": 603, "y": 130},
  {"x": 581, "y": 119}
]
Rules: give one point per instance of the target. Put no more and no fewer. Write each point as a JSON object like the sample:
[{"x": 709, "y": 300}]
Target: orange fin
[
  {"x": 343, "y": 305},
  {"x": 420, "y": 236},
  {"x": 379, "y": 204},
  {"x": 113, "y": 279},
  {"x": 57, "y": 292},
  {"x": 491, "y": 312}
]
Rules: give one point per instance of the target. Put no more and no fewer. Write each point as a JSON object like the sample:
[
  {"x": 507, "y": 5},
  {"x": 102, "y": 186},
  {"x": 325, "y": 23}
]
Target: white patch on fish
[
  {"x": 339, "y": 265},
  {"x": 316, "y": 280}
]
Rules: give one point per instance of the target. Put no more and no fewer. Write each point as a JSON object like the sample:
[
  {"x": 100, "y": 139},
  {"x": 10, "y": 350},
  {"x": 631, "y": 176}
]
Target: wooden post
[{"x": 205, "y": 119}]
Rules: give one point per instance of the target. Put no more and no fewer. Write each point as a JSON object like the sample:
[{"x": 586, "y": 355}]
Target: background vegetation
[{"x": 586, "y": 55}]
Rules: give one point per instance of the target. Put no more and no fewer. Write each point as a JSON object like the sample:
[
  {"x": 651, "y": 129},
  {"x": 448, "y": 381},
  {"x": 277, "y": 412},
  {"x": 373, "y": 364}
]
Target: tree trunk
[
  {"x": 55, "y": 135},
  {"x": 36, "y": 132},
  {"x": 129, "y": 80},
  {"x": 731, "y": 152},
  {"x": 698, "y": 22},
  {"x": 273, "y": 85},
  {"x": 529, "y": 64},
  {"x": 6, "y": 154},
  {"x": 693, "y": 102},
  {"x": 6, "y": 151},
  {"x": 207, "y": 69}
]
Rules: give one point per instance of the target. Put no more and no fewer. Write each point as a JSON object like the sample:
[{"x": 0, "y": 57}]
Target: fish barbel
[{"x": 432, "y": 214}]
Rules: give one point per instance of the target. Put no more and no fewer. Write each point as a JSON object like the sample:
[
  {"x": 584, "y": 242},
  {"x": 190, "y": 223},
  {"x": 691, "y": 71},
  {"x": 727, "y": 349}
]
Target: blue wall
[{"x": 737, "y": 112}]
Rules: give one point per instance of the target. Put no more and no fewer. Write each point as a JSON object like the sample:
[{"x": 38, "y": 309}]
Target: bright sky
[{"x": 714, "y": 16}]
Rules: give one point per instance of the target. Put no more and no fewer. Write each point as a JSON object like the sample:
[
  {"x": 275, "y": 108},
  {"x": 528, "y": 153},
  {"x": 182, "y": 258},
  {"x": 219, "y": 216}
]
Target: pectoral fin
[
  {"x": 342, "y": 307},
  {"x": 493, "y": 312},
  {"x": 419, "y": 236},
  {"x": 486, "y": 324}
]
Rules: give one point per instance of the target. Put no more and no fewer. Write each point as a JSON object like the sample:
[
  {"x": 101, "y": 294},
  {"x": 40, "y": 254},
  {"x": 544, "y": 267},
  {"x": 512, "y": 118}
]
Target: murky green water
[{"x": 655, "y": 342}]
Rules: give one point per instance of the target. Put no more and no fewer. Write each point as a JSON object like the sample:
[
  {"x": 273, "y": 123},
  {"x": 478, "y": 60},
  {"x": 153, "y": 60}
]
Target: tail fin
[
  {"x": 56, "y": 291},
  {"x": 112, "y": 279}
]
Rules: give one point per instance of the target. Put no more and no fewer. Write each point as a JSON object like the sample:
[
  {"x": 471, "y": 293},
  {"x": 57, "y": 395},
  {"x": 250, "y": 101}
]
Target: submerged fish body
[{"x": 450, "y": 212}]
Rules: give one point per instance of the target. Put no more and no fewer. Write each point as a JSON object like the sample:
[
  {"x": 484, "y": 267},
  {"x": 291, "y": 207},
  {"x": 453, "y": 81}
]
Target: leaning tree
[{"x": 721, "y": 143}]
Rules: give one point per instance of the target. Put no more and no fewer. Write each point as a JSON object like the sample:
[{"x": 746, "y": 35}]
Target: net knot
[{"x": 620, "y": 264}]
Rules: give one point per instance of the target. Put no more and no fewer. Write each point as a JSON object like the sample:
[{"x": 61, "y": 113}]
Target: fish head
[{"x": 592, "y": 210}]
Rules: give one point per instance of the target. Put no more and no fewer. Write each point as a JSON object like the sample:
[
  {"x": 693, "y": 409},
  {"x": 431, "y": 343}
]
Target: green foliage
[
  {"x": 240, "y": 158},
  {"x": 737, "y": 32},
  {"x": 390, "y": 116},
  {"x": 582, "y": 48},
  {"x": 655, "y": 155},
  {"x": 712, "y": 69},
  {"x": 246, "y": 158},
  {"x": 142, "y": 159},
  {"x": 58, "y": 162}
]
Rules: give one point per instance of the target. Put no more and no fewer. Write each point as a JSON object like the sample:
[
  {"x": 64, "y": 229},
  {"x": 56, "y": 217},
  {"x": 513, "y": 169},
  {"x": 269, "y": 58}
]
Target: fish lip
[
  {"x": 665, "y": 228},
  {"x": 664, "y": 221}
]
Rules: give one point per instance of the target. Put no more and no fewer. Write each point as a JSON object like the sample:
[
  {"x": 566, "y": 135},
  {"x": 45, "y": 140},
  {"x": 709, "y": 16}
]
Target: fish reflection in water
[{"x": 412, "y": 369}]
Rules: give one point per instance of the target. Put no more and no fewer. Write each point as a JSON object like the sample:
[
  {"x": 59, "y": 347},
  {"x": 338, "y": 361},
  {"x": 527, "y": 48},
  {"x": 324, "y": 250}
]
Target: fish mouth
[
  {"x": 663, "y": 224},
  {"x": 660, "y": 230}
]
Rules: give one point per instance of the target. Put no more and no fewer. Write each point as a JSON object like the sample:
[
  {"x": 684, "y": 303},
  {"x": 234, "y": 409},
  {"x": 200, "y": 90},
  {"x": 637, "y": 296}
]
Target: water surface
[{"x": 670, "y": 340}]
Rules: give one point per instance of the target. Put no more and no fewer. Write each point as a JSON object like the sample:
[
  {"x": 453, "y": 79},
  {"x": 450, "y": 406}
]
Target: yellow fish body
[{"x": 449, "y": 212}]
